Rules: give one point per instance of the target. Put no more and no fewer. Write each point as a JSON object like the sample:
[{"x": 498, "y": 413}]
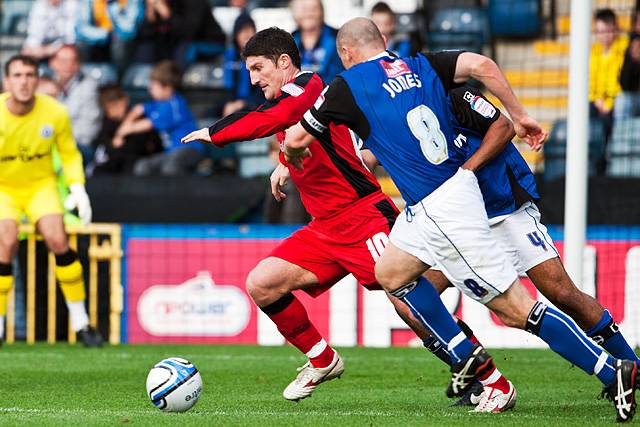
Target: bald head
[{"x": 360, "y": 33}]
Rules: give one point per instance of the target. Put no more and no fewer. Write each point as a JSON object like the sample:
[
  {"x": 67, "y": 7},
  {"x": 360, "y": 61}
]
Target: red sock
[
  {"x": 494, "y": 378},
  {"x": 292, "y": 321}
]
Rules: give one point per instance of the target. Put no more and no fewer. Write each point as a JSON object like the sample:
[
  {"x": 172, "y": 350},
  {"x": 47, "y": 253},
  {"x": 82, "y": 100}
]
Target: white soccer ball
[{"x": 174, "y": 385}]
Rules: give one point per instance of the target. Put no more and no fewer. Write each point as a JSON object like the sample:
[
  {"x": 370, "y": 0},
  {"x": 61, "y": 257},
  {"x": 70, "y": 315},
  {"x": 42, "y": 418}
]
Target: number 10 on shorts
[{"x": 376, "y": 245}]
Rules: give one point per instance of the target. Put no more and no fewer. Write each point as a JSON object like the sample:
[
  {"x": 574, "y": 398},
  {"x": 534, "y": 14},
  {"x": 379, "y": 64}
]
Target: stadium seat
[
  {"x": 103, "y": 72},
  {"x": 136, "y": 82},
  {"x": 253, "y": 158},
  {"x": 204, "y": 76},
  {"x": 515, "y": 18},
  {"x": 203, "y": 87},
  {"x": 458, "y": 28},
  {"x": 623, "y": 152},
  {"x": 15, "y": 15},
  {"x": 555, "y": 149}
]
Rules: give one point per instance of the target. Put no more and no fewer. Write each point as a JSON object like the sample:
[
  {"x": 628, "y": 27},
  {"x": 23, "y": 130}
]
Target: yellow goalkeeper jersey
[{"x": 26, "y": 143}]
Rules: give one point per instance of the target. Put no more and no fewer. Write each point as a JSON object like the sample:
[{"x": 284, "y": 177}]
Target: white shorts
[
  {"x": 450, "y": 228},
  {"x": 524, "y": 238}
]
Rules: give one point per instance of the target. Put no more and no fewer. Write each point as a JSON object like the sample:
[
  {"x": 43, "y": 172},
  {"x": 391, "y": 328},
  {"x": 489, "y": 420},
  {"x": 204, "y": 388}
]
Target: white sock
[
  {"x": 495, "y": 376},
  {"x": 1, "y": 327},
  {"x": 317, "y": 349},
  {"x": 78, "y": 314}
]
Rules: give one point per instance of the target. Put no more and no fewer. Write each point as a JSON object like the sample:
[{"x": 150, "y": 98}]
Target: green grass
[{"x": 68, "y": 385}]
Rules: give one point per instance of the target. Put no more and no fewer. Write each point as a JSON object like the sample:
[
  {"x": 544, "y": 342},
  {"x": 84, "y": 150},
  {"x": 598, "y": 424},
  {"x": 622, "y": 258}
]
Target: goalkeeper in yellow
[{"x": 30, "y": 125}]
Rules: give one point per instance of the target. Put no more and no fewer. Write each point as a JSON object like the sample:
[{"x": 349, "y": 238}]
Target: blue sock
[
  {"x": 425, "y": 304},
  {"x": 607, "y": 335},
  {"x": 565, "y": 338}
]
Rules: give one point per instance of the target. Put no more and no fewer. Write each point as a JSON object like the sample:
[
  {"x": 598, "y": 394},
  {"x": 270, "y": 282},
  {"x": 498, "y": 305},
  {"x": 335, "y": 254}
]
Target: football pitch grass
[{"x": 68, "y": 385}]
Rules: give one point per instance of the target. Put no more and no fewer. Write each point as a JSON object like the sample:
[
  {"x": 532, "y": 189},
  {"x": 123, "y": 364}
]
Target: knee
[
  {"x": 57, "y": 243},
  {"x": 513, "y": 319},
  {"x": 8, "y": 244},
  {"x": 262, "y": 290},
  {"x": 385, "y": 277}
]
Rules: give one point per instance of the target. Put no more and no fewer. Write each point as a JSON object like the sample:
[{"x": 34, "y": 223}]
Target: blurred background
[{"x": 207, "y": 220}]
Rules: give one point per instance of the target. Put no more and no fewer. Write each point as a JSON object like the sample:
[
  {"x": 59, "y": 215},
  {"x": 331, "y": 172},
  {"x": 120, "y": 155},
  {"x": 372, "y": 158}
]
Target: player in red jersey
[{"x": 352, "y": 217}]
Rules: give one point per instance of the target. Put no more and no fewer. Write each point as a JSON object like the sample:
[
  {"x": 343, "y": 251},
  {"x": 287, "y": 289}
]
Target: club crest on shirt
[
  {"x": 395, "y": 68},
  {"x": 480, "y": 105},
  {"x": 46, "y": 131}
]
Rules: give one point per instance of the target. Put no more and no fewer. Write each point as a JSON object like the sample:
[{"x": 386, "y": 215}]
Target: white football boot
[
  {"x": 493, "y": 400},
  {"x": 309, "y": 378}
]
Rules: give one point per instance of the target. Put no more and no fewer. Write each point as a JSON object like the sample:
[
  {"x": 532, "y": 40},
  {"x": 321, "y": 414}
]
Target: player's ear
[{"x": 284, "y": 61}]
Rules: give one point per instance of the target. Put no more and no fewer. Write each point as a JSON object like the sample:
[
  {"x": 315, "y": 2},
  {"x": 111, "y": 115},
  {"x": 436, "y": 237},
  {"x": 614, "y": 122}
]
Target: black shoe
[
  {"x": 471, "y": 397},
  {"x": 464, "y": 374},
  {"x": 622, "y": 391},
  {"x": 89, "y": 337}
]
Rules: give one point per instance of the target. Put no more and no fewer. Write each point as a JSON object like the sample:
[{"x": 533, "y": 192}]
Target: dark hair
[
  {"x": 166, "y": 73},
  {"x": 271, "y": 43},
  {"x": 111, "y": 92},
  {"x": 25, "y": 59},
  {"x": 382, "y": 7},
  {"x": 606, "y": 15}
]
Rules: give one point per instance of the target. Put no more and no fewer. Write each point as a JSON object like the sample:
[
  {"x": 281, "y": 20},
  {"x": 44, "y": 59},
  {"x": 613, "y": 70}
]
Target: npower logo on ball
[{"x": 197, "y": 307}]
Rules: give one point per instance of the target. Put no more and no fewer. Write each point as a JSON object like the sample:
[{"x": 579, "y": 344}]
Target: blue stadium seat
[
  {"x": 623, "y": 152},
  {"x": 15, "y": 15},
  {"x": 103, "y": 72},
  {"x": 555, "y": 149},
  {"x": 515, "y": 18},
  {"x": 136, "y": 82},
  {"x": 204, "y": 76},
  {"x": 458, "y": 28}
]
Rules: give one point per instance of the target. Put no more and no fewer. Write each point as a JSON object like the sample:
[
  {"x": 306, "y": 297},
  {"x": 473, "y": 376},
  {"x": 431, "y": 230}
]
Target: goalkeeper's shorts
[
  {"x": 349, "y": 243},
  {"x": 35, "y": 200}
]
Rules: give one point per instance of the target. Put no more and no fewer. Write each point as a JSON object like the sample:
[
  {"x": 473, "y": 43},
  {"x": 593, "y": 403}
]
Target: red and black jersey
[{"x": 335, "y": 177}]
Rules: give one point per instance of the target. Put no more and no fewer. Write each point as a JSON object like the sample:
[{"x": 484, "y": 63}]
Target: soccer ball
[{"x": 174, "y": 385}]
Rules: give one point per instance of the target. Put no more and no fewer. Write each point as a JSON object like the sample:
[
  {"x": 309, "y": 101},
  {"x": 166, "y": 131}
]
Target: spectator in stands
[
  {"x": 51, "y": 25},
  {"x": 236, "y": 75},
  {"x": 109, "y": 159},
  {"x": 628, "y": 101},
  {"x": 106, "y": 28},
  {"x": 385, "y": 20},
  {"x": 48, "y": 86},
  {"x": 79, "y": 93},
  {"x": 607, "y": 55},
  {"x": 315, "y": 39},
  {"x": 170, "y": 116},
  {"x": 182, "y": 30}
]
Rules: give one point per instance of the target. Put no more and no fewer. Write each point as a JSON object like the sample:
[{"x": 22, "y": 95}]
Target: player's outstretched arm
[
  {"x": 369, "y": 159},
  {"x": 485, "y": 70},
  {"x": 495, "y": 140},
  {"x": 200, "y": 135}
]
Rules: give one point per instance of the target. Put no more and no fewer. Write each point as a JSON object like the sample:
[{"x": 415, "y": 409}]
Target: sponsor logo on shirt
[
  {"x": 395, "y": 68},
  {"x": 46, "y": 131},
  {"x": 292, "y": 89},
  {"x": 480, "y": 105}
]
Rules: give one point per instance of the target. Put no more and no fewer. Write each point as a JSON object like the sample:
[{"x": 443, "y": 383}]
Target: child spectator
[
  {"x": 51, "y": 26},
  {"x": 48, "y": 86},
  {"x": 109, "y": 159},
  {"x": 607, "y": 55},
  {"x": 236, "y": 75},
  {"x": 385, "y": 20},
  {"x": 315, "y": 39},
  {"x": 168, "y": 114}
]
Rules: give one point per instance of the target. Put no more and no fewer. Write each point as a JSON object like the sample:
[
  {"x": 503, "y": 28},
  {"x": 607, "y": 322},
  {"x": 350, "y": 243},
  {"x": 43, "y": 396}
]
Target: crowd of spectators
[
  {"x": 118, "y": 134},
  {"x": 614, "y": 86}
]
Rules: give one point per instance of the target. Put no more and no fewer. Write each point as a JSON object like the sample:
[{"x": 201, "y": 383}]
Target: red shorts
[{"x": 349, "y": 242}]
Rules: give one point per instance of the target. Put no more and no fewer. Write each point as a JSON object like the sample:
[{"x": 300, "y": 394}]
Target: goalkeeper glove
[{"x": 79, "y": 199}]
